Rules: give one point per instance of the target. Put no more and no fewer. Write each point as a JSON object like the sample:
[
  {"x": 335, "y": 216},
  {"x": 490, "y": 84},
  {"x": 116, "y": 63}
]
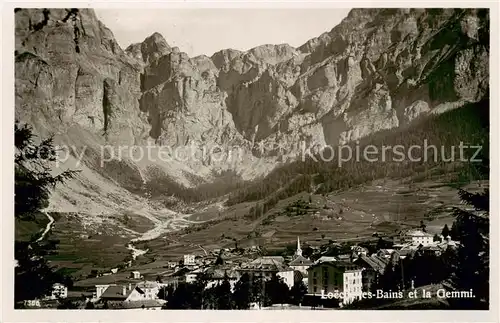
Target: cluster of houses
[
  {"x": 355, "y": 273},
  {"x": 347, "y": 275}
]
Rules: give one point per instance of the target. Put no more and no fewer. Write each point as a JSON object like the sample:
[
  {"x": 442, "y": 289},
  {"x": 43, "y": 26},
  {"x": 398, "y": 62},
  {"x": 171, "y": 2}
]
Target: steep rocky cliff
[
  {"x": 378, "y": 69},
  {"x": 69, "y": 69}
]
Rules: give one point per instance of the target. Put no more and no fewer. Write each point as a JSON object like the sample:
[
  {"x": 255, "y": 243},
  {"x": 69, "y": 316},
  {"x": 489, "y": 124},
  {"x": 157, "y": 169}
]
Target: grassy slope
[
  {"x": 469, "y": 124},
  {"x": 27, "y": 230}
]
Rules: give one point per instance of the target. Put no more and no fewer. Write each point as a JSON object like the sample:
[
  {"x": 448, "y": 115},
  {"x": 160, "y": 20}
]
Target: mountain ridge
[{"x": 378, "y": 69}]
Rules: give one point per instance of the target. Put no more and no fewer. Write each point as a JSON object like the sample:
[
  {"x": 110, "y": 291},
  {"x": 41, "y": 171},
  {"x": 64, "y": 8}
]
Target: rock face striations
[
  {"x": 378, "y": 69},
  {"x": 70, "y": 70}
]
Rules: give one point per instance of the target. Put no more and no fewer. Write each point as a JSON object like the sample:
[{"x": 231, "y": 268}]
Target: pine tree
[
  {"x": 34, "y": 277},
  {"x": 219, "y": 261},
  {"x": 165, "y": 292},
  {"x": 223, "y": 295},
  {"x": 181, "y": 298},
  {"x": 33, "y": 173},
  {"x": 423, "y": 227},
  {"x": 471, "y": 271},
  {"x": 297, "y": 292},
  {"x": 277, "y": 291},
  {"x": 243, "y": 292},
  {"x": 454, "y": 231},
  {"x": 210, "y": 298},
  {"x": 33, "y": 182},
  {"x": 446, "y": 231}
]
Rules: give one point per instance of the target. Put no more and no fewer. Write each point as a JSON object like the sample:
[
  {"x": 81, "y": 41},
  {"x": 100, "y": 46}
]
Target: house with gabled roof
[
  {"x": 374, "y": 267},
  {"x": 266, "y": 268},
  {"x": 119, "y": 293},
  {"x": 128, "y": 296}
]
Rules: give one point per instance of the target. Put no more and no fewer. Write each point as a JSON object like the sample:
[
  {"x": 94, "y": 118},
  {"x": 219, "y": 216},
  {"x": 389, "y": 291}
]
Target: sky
[{"x": 206, "y": 31}]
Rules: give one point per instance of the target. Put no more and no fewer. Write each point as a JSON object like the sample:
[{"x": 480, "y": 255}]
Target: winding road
[
  {"x": 47, "y": 228},
  {"x": 164, "y": 222}
]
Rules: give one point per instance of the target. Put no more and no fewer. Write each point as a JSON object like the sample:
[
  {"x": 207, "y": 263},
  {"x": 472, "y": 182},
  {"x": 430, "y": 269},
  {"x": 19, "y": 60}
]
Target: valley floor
[{"x": 156, "y": 238}]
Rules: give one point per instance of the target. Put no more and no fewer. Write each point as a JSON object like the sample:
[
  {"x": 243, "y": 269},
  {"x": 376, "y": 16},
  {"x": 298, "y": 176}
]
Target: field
[
  {"x": 27, "y": 229},
  {"x": 383, "y": 207},
  {"x": 100, "y": 245}
]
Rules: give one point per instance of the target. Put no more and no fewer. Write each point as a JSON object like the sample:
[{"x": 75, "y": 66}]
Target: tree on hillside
[
  {"x": 297, "y": 292},
  {"x": 471, "y": 270},
  {"x": 277, "y": 291},
  {"x": 209, "y": 301},
  {"x": 446, "y": 231},
  {"x": 259, "y": 291},
  {"x": 307, "y": 251},
  {"x": 423, "y": 226},
  {"x": 390, "y": 280},
  {"x": 242, "y": 295},
  {"x": 33, "y": 173},
  {"x": 165, "y": 292},
  {"x": 417, "y": 269},
  {"x": 199, "y": 289},
  {"x": 219, "y": 261},
  {"x": 33, "y": 182},
  {"x": 33, "y": 275},
  {"x": 182, "y": 297},
  {"x": 223, "y": 295},
  {"x": 454, "y": 231}
]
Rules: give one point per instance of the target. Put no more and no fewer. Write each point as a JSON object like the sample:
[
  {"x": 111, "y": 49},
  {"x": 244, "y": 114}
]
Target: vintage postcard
[{"x": 280, "y": 161}]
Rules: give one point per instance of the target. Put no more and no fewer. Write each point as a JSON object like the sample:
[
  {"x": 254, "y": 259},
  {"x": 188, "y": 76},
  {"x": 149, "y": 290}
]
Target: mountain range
[{"x": 379, "y": 69}]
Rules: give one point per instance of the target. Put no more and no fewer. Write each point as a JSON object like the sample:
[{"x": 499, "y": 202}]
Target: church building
[{"x": 299, "y": 262}]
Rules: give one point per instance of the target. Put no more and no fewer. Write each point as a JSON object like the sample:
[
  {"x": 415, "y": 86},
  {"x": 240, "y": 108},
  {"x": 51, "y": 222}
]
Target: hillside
[{"x": 469, "y": 125}]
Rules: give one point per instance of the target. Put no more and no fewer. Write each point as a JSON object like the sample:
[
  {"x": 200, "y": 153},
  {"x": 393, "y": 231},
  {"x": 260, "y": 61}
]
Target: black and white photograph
[{"x": 256, "y": 159}]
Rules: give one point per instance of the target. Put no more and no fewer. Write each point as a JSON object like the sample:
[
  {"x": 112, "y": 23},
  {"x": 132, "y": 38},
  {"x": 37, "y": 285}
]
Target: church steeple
[{"x": 299, "y": 251}]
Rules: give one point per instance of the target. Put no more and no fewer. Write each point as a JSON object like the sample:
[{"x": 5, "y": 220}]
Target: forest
[{"x": 469, "y": 125}]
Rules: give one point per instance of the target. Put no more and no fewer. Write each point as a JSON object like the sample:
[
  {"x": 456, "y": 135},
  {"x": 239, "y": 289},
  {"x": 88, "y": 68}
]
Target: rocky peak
[
  {"x": 224, "y": 57},
  {"x": 154, "y": 47},
  {"x": 134, "y": 51},
  {"x": 273, "y": 54}
]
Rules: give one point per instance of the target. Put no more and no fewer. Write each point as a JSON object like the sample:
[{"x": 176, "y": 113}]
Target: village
[{"x": 321, "y": 278}]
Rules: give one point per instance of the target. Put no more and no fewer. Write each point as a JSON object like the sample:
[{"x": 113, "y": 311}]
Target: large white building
[
  {"x": 58, "y": 291},
  {"x": 342, "y": 279},
  {"x": 189, "y": 260},
  {"x": 418, "y": 237}
]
